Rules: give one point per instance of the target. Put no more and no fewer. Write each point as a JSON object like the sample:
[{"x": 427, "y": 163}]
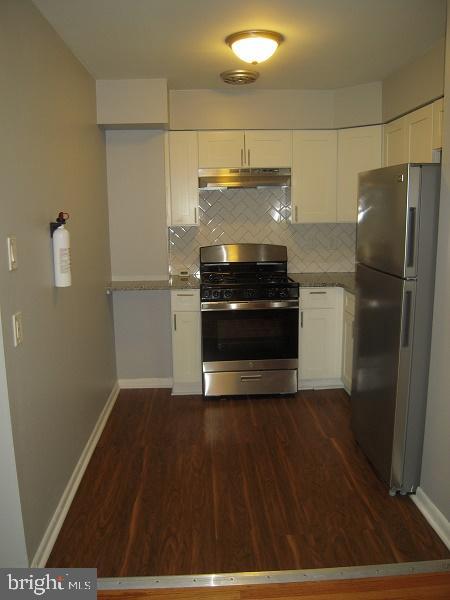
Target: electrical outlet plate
[
  {"x": 12, "y": 252},
  {"x": 17, "y": 328}
]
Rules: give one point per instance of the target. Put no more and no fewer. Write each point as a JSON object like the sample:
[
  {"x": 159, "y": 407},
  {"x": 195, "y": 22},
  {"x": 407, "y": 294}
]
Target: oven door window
[{"x": 249, "y": 334}]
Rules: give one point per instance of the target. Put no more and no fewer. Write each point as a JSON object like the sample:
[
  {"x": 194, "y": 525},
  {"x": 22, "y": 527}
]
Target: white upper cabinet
[
  {"x": 217, "y": 149},
  {"x": 182, "y": 185},
  {"x": 359, "y": 149},
  {"x": 419, "y": 134},
  {"x": 438, "y": 117},
  {"x": 268, "y": 148},
  {"x": 234, "y": 149},
  {"x": 413, "y": 137},
  {"x": 395, "y": 147},
  {"x": 314, "y": 167}
]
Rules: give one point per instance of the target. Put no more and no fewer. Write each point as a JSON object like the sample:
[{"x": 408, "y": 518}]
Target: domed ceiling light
[{"x": 255, "y": 45}]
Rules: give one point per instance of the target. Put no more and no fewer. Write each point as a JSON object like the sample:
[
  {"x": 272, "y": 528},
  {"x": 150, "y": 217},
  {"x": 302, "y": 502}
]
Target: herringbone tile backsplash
[{"x": 262, "y": 216}]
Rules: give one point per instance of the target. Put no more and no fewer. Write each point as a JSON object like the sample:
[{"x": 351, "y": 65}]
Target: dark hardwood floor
[{"x": 181, "y": 485}]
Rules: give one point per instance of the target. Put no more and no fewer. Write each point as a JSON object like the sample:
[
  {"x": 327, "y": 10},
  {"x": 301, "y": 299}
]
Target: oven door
[{"x": 247, "y": 336}]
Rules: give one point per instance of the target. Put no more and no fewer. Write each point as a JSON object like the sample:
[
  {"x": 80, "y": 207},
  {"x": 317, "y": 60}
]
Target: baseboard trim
[
  {"x": 155, "y": 382},
  {"x": 433, "y": 515},
  {"x": 319, "y": 384},
  {"x": 186, "y": 389},
  {"x": 57, "y": 520}
]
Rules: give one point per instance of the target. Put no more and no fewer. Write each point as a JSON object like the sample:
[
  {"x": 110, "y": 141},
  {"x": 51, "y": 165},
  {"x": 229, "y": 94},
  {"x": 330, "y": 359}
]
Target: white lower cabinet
[
  {"x": 347, "y": 340},
  {"x": 320, "y": 337},
  {"x": 186, "y": 342}
]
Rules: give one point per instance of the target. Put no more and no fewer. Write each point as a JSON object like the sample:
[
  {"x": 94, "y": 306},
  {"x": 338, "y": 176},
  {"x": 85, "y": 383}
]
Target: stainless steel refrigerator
[{"x": 395, "y": 254}]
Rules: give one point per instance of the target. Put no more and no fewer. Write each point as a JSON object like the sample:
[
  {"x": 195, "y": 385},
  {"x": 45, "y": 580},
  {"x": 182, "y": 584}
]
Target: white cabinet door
[
  {"x": 347, "y": 351},
  {"x": 217, "y": 149},
  {"x": 438, "y": 117},
  {"x": 314, "y": 165},
  {"x": 268, "y": 148},
  {"x": 320, "y": 344},
  {"x": 359, "y": 149},
  {"x": 419, "y": 128},
  {"x": 395, "y": 143},
  {"x": 186, "y": 345},
  {"x": 183, "y": 177}
]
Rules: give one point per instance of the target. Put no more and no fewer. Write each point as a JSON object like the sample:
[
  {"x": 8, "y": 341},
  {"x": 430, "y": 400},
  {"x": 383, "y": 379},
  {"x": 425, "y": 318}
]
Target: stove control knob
[
  {"x": 227, "y": 294},
  {"x": 216, "y": 293},
  {"x": 271, "y": 292},
  {"x": 206, "y": 294},
  {"x": 251, "y": 293},
  {"x": 284, "y": 292}
]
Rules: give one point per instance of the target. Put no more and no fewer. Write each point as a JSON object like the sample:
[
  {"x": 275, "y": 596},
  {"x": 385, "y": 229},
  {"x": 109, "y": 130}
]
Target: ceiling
[{"x": 329, "y": 43}]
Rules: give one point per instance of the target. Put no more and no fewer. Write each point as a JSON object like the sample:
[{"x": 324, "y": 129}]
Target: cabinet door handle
[
  {"x": 317, "y": 292},
  {"x": 301, "y": 319},
  {"x": 174, "y": 322},
  {"x": 248, "y": 153},
  {"x": 296, "y": 213},
  {"x": 195, "y": 214},
  {"x": 242, "y": 157},
  {"x": 178, "y": 295}
]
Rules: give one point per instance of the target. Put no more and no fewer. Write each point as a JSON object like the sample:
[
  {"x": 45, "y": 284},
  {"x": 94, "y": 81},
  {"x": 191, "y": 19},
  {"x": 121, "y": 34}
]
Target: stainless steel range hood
[{"x": 214, "y": 179}]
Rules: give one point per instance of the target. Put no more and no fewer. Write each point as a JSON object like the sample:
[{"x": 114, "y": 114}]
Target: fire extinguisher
[{"x": 61, "y": 251}]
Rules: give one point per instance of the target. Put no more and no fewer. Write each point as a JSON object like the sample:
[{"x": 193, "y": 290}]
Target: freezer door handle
[
  {"x": 411, "y": 242},
  {"x": 406, "y": 319}
]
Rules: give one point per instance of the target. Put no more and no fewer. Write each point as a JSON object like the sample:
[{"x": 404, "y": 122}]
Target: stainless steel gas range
[{"x": 249, "y": 311}]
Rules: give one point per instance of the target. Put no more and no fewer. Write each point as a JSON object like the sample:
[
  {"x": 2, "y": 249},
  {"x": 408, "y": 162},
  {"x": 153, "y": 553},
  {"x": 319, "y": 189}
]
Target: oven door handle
[{"x": 250, "y": 305}]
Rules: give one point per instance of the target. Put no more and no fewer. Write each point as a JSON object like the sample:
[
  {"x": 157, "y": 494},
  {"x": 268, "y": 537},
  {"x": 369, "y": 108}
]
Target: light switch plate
[
  {"x": 17, "y": 328},
  {"x": 12, "y": 252}
]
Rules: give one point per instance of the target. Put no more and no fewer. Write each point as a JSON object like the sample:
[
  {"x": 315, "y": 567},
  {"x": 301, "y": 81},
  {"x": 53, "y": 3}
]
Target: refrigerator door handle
[
  {"x": 406, "y": 319},
  {"x": 411, "y": 241}
]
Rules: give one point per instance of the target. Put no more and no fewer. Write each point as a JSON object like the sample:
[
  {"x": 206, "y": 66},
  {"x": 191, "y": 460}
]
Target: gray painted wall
[
  {"x": 435, "y": 479},
  {"x": 139, "y": 250},
  {"x": 13, "y": 551},
  {"x": 137, "y": 204},
  {"x": 52, "y": 158},
  {"x": 143, "y": 334},
  {"x": 415, "y": 84}
]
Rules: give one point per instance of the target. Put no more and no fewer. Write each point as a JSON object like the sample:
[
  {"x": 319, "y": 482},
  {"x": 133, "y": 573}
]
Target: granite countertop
[
  {"x": 344, "y": 280},
  {"x": 175, "y": 282}
]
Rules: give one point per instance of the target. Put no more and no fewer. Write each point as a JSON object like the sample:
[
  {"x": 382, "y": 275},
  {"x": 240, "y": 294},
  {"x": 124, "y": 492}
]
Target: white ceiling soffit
[{"x": 329, "y": 43}]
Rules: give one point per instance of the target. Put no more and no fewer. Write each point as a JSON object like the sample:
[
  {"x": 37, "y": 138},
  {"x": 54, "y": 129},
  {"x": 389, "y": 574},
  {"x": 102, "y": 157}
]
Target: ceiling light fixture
[{"x": 255, "y": 45}]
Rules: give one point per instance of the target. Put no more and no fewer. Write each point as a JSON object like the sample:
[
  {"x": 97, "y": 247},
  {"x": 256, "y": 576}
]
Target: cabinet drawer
[
  {"x": 349, "y": 303},
  {"x": 320, "y": 297},
  {"x": 185, "y": 300}
]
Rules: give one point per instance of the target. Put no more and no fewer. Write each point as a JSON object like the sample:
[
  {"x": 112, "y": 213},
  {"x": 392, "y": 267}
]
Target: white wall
[
  {"x": 138, "y": 102},
  {"x": 275, "y": 109},
  {"x": 13, "y": 551},
  {"x": 251, "y": 109},
  {"x": 52, "y": 158},
  {"x": 435, "y": 480},
  {"x": 417, "y": 83},
  {"x": 358, "y": 105}
]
